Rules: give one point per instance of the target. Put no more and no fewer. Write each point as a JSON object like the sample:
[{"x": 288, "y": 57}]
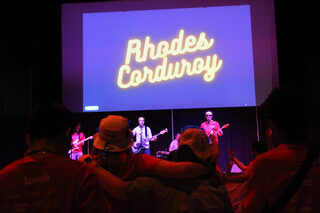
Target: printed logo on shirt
[{"x": 45, "y": 178}]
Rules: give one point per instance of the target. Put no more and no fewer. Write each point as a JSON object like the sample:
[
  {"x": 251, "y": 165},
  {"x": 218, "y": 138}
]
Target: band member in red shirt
[
  {"x": 211, "y": 127},
  {"x": 77, "y": 143}
]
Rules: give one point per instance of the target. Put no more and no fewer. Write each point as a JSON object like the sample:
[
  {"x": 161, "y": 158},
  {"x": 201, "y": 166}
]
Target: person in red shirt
[
  {"x": 271, "y": 173},
  {"x": 211, "y": 127},
  {"x": 46, "y": 180}
]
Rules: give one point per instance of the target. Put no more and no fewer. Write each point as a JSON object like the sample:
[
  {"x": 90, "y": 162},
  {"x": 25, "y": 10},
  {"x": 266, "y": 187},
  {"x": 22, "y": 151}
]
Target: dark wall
[
  {"x": 299, "y": 55},
  {"x": 298, "y": 45}
]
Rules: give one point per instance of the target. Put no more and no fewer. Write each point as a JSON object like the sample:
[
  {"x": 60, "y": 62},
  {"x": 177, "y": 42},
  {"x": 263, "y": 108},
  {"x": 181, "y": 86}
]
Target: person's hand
[
  {"x": 89, "y": 160},
  {"x": 135, "y": 145},
  {"x": 231, "y": 154},
  {"x": 154, "y": 138},
  {"x": 75, "y": 141},
  {"x": 229, "y": 166},
  {"x": 210, "y": 133}
]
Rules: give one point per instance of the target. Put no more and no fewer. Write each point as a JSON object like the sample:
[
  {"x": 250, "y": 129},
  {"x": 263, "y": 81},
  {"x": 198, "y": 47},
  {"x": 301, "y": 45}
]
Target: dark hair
[
  {"x": 76, "y": 125},
  {"x": 49, "y": 121},
  {"x": 185, "y": 154},
  {"x": 260, "y": 147},
  {"x": 191, "y": 126},
  {"x": 288, "y": 109}
]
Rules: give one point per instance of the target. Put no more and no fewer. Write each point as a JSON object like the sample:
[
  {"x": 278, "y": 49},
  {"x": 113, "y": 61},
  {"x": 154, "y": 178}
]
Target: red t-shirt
[
  {"x": 211, "y": 126},
  {"x": 50, "y": 183},
  {"x": 272, "y": 172},
  {"x": 136, "y": 165},
  {"x": 78, "y": 146}
]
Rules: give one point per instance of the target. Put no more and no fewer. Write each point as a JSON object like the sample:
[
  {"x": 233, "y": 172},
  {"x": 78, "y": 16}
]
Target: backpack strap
[{"x": 285, "y": 197}]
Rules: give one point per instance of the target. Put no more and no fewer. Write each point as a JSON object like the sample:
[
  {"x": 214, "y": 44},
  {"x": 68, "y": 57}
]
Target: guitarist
[
  {"x": 76, "y": 150},
  {"x": 211, "y": 127},
  {"x": 143, "y": 136}
]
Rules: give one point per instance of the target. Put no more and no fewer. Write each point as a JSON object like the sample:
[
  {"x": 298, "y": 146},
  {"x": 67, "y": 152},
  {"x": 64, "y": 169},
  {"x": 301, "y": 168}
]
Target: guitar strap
[
  {"x": 312, "y": 155},
  {"x": 145, "y": 131}
]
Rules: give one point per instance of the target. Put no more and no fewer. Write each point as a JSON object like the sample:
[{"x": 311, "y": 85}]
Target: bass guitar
[
  {"x": 76, "y": 143},
  {"x": 138, "y": 145}
]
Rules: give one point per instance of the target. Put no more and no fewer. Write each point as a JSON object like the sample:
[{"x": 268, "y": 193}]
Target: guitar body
[
  {"x": 136, "y": 148},
  {"x": 213, "y": 135},
  {"x": 76, "y": 144}
]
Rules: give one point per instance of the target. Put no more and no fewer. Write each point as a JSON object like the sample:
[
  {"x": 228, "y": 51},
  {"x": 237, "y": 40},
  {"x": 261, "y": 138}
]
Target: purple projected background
[
  {"x": 263, "y": 47},
  {"x": 105, "y": 38}
]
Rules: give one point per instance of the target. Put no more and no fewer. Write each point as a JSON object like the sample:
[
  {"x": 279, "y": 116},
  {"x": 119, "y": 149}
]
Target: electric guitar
[
  {"x": 216, "y": 131},
  {"x": 138, "y": 145},
  {"x": 76, "y": 143}
]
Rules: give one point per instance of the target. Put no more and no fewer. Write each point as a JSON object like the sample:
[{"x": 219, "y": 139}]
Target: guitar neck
[
  {"x": 157, "y": 135},
  {"x": 160, "y": 133},
  {"x": 84, "y": 140},
  {"x": 215, "y": 131}
]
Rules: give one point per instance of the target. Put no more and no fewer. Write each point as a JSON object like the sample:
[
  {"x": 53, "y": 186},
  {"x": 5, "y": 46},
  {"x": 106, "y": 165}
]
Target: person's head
[
  {"x": 258, "y": 148},
  {"x": 114, "y": 137},
  {"x": 194, "y": 146},
  {"x": 77, "y": 127},
  {"x": 50, "y": 127},
  {"x": 288, "y": 109},
  {"x": 141, "y": 121},
  {"x": 208, "y": 115}
]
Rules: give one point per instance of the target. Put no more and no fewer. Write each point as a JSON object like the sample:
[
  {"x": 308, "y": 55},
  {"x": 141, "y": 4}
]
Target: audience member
[
  {"x": 204, "y": 193},
  {"x": 274, "y": 185},
  {"x": 111, "y": 148},
  {"x": 46, "y": 180},
  {"x": 236, "y": 182}
]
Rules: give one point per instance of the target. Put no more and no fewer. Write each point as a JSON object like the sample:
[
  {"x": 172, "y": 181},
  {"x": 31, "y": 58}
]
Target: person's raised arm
[
  {"x": 236, "y": 178},
  {"x": 236, "y": 161},
  {"x": 239, "y": 164}
]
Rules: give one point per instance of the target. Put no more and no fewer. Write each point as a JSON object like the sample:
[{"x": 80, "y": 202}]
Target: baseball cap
[{"x": 114, "y": 134}]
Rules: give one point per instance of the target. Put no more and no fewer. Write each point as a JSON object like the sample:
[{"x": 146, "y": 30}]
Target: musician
[
  {"x": 211, "y": 127},
  {"x": 77, "y": 136},
  {"x": 143, "y": 136},
  {"x": 175, "y": 143}
]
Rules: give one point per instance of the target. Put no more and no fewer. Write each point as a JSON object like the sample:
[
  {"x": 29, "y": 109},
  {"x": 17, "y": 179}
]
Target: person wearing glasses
[{"x": 211, "y": 127}]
